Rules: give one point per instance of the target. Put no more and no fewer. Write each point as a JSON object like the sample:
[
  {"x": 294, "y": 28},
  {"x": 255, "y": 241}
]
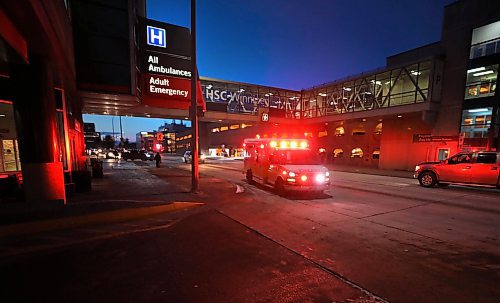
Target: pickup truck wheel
[
  {"x": 249, "y": 177},
  {"x": 427, "y": 179}
]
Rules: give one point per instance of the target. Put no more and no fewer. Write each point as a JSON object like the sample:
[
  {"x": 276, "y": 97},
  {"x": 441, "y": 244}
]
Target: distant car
[
  {"x": 137, "y": 154},
  {"x": 187, "y": 158},
  {"x": 101, "y": 153},
  {"x": 113, "y": 154},
  {"x": 471, "y": 168}
]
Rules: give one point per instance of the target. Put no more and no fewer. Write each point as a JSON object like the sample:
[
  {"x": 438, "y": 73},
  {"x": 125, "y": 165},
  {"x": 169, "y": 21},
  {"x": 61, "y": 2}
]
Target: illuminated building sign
[
  {"x": 168, "y": 66},
  {"x": 173, "y": 88},
  {"x": 264, "y": 117},
  {"x": 165, "y": 65},
  {"x": 156, "y": 36},
  {"x": 418, "y": 138},
  {"x": 163, "y": 38},
  {"x": 247, "y": 102}
]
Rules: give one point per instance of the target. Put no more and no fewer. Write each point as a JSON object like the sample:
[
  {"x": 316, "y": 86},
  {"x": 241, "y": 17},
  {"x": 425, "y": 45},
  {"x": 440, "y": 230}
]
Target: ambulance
[{"x": 285, "y": 164}]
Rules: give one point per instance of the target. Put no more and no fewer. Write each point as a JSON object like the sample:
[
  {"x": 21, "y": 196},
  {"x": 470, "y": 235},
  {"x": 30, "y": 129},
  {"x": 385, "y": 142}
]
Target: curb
[
  {"x": 403, "y": 174},
  {"x": 100, "y": 218}
]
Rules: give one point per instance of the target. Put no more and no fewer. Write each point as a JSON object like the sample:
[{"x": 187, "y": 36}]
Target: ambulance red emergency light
[{"x": 285, "y": 164}]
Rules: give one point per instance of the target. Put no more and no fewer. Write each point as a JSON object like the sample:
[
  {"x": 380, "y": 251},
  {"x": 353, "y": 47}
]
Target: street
[
  {"x": 368, "y": 239},
  {"x": 399, "y": 240}
]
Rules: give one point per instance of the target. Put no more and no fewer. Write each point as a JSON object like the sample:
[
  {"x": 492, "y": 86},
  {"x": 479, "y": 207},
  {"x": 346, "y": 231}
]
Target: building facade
[
  {"x": 40, "y": 110},
  {"x": 424, "y": 105}
]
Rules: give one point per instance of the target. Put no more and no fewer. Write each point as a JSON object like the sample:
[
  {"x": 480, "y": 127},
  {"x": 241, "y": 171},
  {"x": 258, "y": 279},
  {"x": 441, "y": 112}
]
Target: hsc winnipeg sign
[{"x": 165, "y": 64}]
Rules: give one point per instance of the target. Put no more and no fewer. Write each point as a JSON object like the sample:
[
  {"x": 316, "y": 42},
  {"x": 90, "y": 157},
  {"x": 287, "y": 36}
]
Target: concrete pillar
[{"x": 35, "y": 115}]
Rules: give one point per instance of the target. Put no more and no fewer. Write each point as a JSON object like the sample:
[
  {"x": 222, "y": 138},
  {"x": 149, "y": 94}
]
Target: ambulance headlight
[{"x": 320, "y": 178}]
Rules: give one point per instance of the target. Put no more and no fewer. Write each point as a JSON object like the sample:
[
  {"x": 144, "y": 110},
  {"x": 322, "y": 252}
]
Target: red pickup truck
[{"x": 471, "y": 168}]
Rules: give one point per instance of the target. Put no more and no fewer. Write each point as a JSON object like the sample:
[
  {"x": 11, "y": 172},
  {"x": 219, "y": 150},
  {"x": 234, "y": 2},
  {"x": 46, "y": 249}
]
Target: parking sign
[{"x": 156, "y": 36}]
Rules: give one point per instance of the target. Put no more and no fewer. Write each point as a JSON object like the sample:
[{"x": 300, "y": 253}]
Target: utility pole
[
  {"x": 113, "y": 127},
  {"x": 195, "y": 176},
  {"x": 121, "y": 132}
]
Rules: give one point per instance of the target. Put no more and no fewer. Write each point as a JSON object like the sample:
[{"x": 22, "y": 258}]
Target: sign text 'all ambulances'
[
  {"x": 156, "y": 36},
  {"x": 168, "y": 66}
]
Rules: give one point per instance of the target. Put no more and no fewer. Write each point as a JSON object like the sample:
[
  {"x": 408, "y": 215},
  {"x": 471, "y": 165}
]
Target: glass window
[
  {"x": 487, "y": 158},
  {"x": 339, "y": 131},
  {"x": 485, "y": 40},
  {"x": 357, "y": 153},
  {"x": 338, "y": 153},
  {"x": 443, "y": 153},
  {"x": 481, "y": 82},
  {"x": 423, "y": 79},
  {"x": 461, "y": 158},
  {"x": 490, "y": 48},
  {"x": 322, "y": 134},
  {"x": 476, "y": 122},
  {"x": 9, "y": 151},
  {"x": 9, "y": 156},
  {"x": 358, "y": 131}
]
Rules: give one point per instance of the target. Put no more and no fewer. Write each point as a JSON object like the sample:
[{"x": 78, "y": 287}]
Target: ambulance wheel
[
  {"x": 249, "y": 177},
  {"x": 279, "y": 188}
]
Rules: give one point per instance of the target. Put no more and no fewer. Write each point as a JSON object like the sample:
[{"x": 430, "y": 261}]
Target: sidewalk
[
  {"x": 124, "y": 193},
  {"x": 123, "y": 187}
]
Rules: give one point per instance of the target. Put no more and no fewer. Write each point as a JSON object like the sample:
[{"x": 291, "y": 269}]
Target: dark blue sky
[
  {"x": 297, "y": 44},
  {"x": 294, "y": 44}
]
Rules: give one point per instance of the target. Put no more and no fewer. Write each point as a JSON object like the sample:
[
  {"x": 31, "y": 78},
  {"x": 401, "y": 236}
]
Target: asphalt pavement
[
  {"x": 141, "y": 236},
  {"x": 187, "y": 254}
]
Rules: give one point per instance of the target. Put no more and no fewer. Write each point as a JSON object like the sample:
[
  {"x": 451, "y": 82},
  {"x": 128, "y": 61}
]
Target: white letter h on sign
[{"x": 156, "y": 36}]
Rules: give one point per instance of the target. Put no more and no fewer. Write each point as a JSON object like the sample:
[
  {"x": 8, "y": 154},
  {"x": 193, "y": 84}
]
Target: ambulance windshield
[{"x": 294, "y": 157}]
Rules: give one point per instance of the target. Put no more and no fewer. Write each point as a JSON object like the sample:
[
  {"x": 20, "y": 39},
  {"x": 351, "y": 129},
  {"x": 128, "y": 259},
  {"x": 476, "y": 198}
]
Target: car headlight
[
  {"x": 291, "y": 174},
  {"x": 417, "y": 167},
  {"x": 202, "y": 157},
  {"x": 327, "y": 174}
]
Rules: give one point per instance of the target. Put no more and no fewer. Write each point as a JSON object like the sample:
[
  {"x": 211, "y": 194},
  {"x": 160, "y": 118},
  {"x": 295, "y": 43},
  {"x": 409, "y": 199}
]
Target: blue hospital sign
[{"x": 156, "y": 36}]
